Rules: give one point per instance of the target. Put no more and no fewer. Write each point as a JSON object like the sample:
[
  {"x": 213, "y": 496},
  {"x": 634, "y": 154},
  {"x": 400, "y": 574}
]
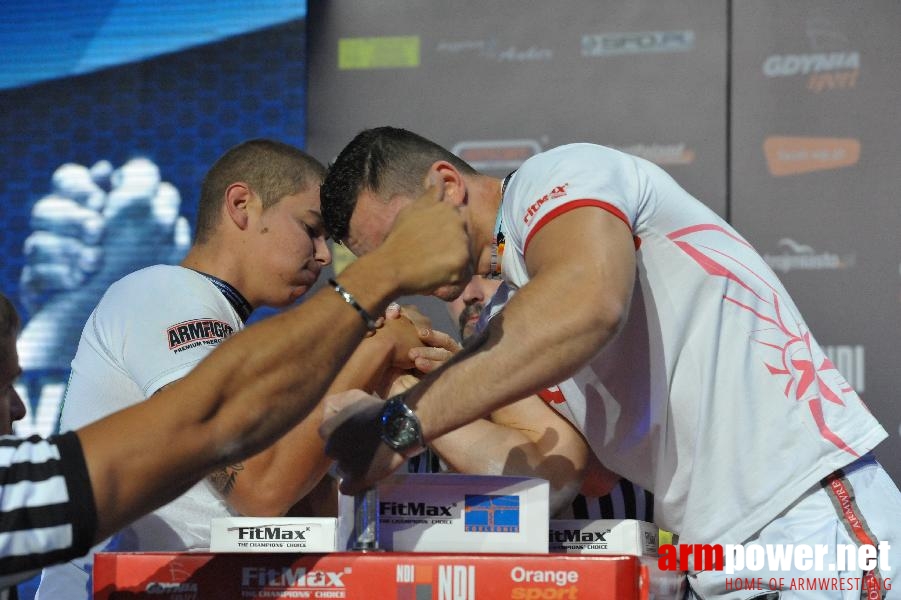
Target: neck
[
  {"x": 487, "y": 193},
  {"x": 209, "y": 259}
]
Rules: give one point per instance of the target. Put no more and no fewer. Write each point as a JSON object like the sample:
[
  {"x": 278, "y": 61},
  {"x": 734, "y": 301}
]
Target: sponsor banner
[
  {"x": 449, "y": 512},
  {"x": 273, "y": 534},
  {"x": 850, "y": 361},
  {"x": 603, "y": 536},
  {"x": 795, "y": 256},
  {"x": 662, "y": 154},
  {"x": 796, "y": 155},
  {"x": 391, "y": 52},
  {"x": 637, "y": 42},
  {"x": 384, "y": 575},
  {"x": 496, "y": 155},
  {"x": 822, "y": 71},
  {"x": 491, "y": 49}
]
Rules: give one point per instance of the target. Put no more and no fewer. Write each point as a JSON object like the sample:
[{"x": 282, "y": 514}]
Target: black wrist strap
[{"x": 349, "y": 298}]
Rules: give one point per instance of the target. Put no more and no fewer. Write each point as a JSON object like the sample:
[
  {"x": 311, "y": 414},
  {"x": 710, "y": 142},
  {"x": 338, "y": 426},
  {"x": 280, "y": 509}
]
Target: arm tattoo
[{"x": 224, "y": 479}]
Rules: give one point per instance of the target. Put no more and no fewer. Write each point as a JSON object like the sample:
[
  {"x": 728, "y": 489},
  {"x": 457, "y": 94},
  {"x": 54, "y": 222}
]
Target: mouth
[{"x": 310, "y": 273}]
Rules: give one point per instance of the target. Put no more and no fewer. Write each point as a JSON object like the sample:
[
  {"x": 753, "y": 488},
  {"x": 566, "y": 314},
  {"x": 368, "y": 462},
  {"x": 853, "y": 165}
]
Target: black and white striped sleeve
[
  {"x": 625, "y": 501},
  {"x": 47, "y": 510}
]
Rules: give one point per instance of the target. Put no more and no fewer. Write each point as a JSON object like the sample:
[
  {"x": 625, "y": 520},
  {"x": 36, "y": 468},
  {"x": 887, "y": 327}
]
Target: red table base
[{"x": 379, "y": 576}]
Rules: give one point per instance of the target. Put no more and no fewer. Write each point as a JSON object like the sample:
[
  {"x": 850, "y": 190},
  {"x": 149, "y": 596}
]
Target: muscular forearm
[
  {"x": 272, "y": 481},
  {"x": 486, "y": 448},
  {"x": 530, "y": 357}
]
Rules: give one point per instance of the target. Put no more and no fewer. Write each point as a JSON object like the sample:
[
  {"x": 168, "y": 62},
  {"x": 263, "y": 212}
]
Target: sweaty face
[
  {"x": 11, "y": 406},
  {"x": 290, "y": 248}
]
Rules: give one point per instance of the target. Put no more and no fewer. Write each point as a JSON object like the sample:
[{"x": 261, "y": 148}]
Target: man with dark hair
[
  {"x": 260, "y": 242},
  {"x": 692, "y": 372}
]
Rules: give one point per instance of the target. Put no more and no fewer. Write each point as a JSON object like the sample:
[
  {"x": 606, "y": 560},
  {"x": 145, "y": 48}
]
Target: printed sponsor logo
[
  {"x": 189, "y": 334},
  {"x": 387, "y": 52},
  {"x": 793, "y": 256},
  {"x": 270, "y": 532},
  {"x": 496, "y": 155},
  {"x": 491, "y": 513},
  {"x": 830, "y": 66},
  {"x": 662, "y": 154},
  {"x": 456, "y": 582},
  {"x": 185, "y": 591},
  {"x": 558, "y": 583},
  {"x": 414, "y": 509},
  {"x": 490, "y": 49},
  {"x": 796, "y": 155},
  {"x": 566, "y": 536},
  {"x": 580, "y": 539},
  {"x": 176, "y": 588},
  {"x": 414, "y": 581},
  {"x": 271, "y": 536},
  {"x": 558, "y": 191},
  {"x": 639, "y": 42},
  {"x": 850, "y": 361},
  {"x": 288, "y": 582}
]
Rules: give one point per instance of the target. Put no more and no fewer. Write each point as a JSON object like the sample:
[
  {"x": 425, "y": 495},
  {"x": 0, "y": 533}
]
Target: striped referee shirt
[
  {"x": 625, "y": 501},
  {"x": 47, "y": 511}
]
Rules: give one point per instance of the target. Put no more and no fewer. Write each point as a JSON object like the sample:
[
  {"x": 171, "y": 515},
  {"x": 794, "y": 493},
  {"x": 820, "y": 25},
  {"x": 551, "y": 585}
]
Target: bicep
[{"x": 588, "y": 255}]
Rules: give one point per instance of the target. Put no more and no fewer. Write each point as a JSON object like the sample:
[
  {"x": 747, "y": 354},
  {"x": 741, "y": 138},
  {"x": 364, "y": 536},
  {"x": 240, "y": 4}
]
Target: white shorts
[{"x": 856, "y": 506}]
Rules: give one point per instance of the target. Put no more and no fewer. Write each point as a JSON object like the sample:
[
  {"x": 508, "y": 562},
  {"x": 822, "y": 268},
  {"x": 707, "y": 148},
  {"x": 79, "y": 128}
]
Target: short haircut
[
  {"x": 386, "y": 161},
  {"x": 9, "y": 317},
  {"x": 272, "y": 169}
]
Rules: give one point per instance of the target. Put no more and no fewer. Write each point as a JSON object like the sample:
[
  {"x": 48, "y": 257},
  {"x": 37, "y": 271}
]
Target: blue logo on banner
[{"x": 496, "y": 514}]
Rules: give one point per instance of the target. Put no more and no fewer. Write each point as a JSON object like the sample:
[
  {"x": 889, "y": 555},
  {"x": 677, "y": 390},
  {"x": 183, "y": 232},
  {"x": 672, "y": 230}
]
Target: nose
[
  {"x": 16, "y": 407},
  {"x": 472, "y": 292},
  {"x": 322, "y": 254}
]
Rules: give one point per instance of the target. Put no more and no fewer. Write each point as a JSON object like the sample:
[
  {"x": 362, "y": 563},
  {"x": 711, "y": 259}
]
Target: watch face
[{"x": 400, "y": 429}]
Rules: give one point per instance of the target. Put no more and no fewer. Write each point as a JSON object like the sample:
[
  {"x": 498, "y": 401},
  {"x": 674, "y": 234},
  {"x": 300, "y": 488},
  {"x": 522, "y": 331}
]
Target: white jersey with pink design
[{"x": 715, "y": 396}]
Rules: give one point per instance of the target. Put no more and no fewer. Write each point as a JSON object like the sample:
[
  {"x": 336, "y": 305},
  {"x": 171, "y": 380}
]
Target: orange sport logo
[{"x": 797, "y": 155}]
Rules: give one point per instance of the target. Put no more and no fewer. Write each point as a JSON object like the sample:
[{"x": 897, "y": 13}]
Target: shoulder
[
  {"x": 150, "y": 285},
  {"x": 574, "y": 156},
  {"x": 155, "y": 275}
]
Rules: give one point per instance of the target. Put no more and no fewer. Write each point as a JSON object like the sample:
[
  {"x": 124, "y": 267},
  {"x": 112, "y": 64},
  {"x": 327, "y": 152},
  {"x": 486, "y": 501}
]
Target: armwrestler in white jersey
[
  {"x": 685, "y": 364},
  {"x": 259, "y": 241}
]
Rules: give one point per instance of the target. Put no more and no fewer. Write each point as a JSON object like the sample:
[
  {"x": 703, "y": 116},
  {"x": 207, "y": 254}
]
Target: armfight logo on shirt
[{"x": 190, "y": 334}]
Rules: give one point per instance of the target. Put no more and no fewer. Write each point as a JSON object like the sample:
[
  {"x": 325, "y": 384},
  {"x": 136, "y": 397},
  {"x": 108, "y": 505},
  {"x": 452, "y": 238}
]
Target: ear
[
  {"x": 452, "y": 180},
  {"x": 237, "y": 203}
]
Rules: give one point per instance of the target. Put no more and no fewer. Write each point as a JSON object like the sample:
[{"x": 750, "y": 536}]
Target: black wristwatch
[{"x": 400, "y": 427}]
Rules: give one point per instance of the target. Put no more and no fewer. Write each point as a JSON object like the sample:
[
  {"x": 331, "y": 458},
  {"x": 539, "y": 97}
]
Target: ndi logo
[
  {"x": 491, "y": 514},
  {"x": 456, "y": 582}
]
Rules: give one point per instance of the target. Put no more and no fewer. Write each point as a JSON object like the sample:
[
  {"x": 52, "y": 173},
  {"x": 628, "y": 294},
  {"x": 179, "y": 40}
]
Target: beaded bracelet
[{"x": 349, "y": 298}]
